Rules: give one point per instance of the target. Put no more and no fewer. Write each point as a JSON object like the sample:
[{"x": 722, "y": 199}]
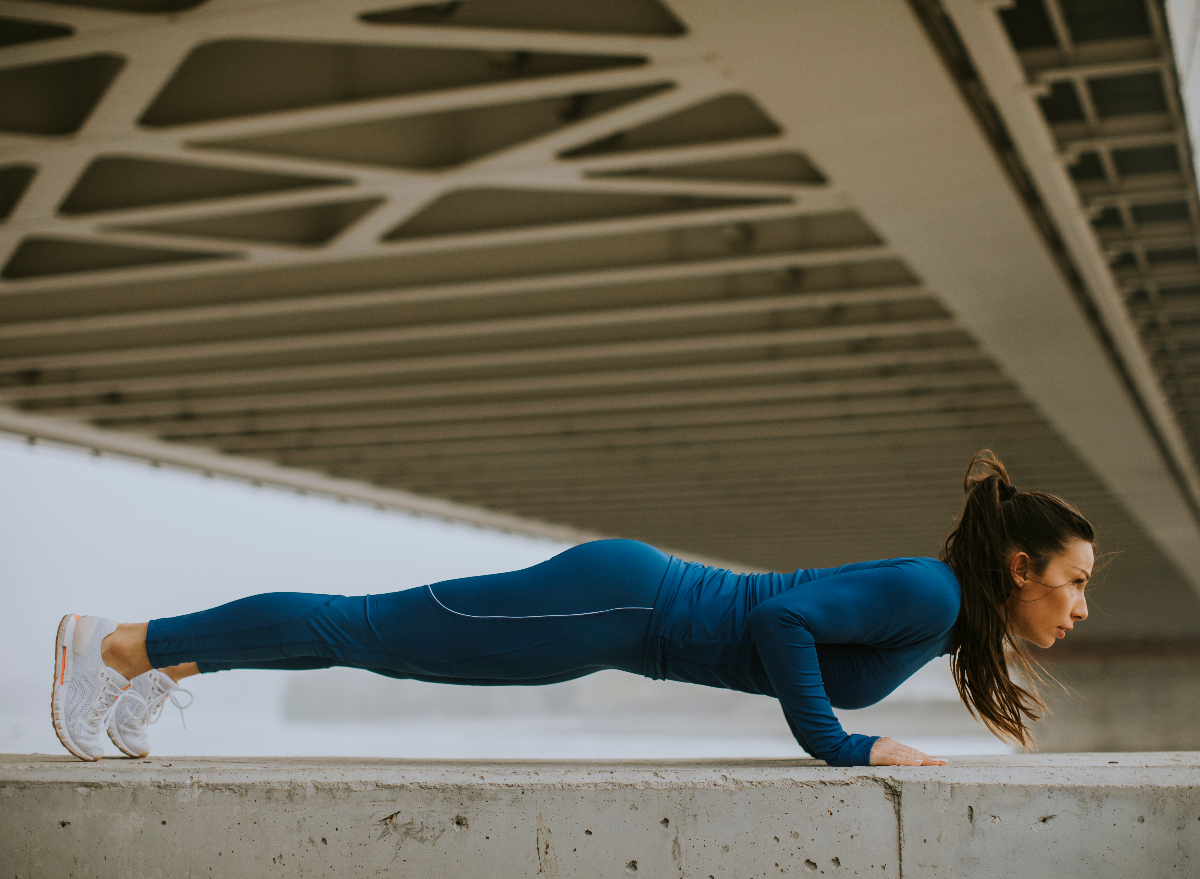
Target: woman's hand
[{"x": 889, "y": 752}]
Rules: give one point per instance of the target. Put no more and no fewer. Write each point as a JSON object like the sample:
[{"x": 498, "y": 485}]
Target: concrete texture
[{"x": 1077, "y": 815}]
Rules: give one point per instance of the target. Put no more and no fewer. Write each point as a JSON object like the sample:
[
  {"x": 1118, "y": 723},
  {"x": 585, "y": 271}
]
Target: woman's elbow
[
  {"x": 761, "y": 620},
  {"x": 769, "y": 617}
]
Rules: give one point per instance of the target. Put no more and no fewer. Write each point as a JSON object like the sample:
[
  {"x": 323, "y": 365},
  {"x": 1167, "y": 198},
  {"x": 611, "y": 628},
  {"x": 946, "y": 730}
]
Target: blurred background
[{"x": 354, "y": 296}]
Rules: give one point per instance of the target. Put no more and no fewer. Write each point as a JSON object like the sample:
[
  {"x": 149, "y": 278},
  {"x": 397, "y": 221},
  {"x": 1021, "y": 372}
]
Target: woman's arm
[{"x": 891, "y": 605}]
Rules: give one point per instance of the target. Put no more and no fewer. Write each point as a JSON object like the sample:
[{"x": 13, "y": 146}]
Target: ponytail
[{"x": 996, "y": 522}]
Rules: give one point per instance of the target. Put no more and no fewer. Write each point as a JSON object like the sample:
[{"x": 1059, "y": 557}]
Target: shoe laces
[
  {"x": 158, "y": 696},
  {"x": 111, "y": 696}
]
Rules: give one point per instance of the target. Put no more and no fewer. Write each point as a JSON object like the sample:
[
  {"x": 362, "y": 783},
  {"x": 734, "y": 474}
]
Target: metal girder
[
  {"x": 596, "y": 320},
  {"x": 325, "y": 307},
  {"x": 749, "y": 380},
  {"x": 524, "y": 361},
  {"x": 631, "y": 411},
  {"x": 738, "y": 427},
  {"x": 823, "y": 453}
]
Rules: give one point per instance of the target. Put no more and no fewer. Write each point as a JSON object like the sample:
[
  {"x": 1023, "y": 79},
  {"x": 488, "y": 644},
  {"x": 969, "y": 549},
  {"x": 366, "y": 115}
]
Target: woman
[{"x": 1014, "y": 567}]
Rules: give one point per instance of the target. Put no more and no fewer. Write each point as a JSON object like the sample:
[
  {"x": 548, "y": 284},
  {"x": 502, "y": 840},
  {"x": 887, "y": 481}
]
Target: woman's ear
[{"x": 1018, "y": 567}]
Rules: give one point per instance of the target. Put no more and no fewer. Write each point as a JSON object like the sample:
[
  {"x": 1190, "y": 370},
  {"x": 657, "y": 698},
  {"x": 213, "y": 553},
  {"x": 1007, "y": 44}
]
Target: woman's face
[{"x": 1046, "y": 605}]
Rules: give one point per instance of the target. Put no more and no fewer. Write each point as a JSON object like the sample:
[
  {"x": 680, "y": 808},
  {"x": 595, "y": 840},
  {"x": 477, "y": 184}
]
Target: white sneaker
[
  {"x": 86, "y": 692},
  {"x": 130, "y": 732}
]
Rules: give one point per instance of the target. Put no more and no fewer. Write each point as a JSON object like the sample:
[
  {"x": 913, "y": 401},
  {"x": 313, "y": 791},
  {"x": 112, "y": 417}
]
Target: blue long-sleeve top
[{"x": 816, "y": 639}]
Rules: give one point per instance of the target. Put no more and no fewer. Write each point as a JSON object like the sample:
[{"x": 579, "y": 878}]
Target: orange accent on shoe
[
  {"x": 76, "y": 616},
  {"x": 127, "y": 686},
  {"x": 62, "y": 672}
]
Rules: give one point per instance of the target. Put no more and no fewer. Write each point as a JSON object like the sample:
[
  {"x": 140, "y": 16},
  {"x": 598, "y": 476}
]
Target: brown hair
[{"x": 995, "y": 524}]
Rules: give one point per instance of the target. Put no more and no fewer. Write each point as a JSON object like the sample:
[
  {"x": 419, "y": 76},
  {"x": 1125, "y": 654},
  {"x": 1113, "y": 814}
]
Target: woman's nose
[{"x": 1079, "y": 612}]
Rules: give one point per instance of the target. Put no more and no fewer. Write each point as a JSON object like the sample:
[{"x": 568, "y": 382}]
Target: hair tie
[{"x": 1008, "y": 492}]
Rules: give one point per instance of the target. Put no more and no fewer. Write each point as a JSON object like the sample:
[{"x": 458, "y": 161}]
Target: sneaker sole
[
  {"x": 64, "y": 661},
  {"x": 115, "y": 736}
]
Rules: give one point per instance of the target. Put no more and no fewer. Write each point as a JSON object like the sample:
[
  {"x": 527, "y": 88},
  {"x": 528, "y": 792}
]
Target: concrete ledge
[{"x": 1094, "y": 815}]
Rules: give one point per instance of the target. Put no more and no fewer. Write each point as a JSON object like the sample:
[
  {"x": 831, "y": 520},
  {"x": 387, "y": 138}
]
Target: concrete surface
[{"x": 1075, "y": 815}]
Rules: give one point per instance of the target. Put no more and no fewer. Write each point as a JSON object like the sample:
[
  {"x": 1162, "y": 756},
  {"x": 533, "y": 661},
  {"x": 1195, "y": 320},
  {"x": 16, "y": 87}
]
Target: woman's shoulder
[
  {"x": 926, "y": 581},
  {"x": 934, "y": 581},
  {"x": 917, "y": 566}
]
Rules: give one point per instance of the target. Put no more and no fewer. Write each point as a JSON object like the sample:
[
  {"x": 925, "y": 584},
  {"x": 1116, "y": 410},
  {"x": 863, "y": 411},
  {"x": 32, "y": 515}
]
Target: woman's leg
[
  {"x": 585, "y": 609},
  {"x": 125, "y": 651}
]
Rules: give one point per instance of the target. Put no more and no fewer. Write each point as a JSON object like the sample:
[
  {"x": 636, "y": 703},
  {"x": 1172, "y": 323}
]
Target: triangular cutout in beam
[
  {"x": 494, "y": 208},
  {"x": 15, "y": 31},
  {"x": 113, "y": 183},
  {"x": 783, "y": 167},
  {"x": 39, "y": 257},
  {"x": 437, "y": 141},
  {"x": 302, "y": 226},
  {"x": 55, "y": 97},
  {"x": 643, "y": 17},
  {"x": 233, "y": 78},
  {"x": 14, "y": 179},
  {"x": 721, "y": 119}
]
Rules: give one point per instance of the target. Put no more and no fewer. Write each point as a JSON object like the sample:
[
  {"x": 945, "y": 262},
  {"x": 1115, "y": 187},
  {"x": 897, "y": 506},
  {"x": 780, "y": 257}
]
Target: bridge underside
[{"x": 748, "y": 286}]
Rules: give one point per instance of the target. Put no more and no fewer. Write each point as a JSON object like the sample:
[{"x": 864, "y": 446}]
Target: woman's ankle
[
  {"x": 179, "y": 672},
  {"x": 124, "y": 650}
]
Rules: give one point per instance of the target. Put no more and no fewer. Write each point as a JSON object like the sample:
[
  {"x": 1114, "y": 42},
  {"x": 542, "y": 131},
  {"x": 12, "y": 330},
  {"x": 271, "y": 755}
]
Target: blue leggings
[{"x": 586, "y": 609}]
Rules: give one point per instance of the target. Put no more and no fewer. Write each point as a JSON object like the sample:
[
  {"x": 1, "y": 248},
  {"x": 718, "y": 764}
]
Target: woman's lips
[{"x": 1061, "y": 632}]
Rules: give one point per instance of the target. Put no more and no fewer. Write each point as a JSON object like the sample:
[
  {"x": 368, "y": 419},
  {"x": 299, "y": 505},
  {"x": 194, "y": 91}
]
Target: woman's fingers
[{"x": 889, "y": 752}]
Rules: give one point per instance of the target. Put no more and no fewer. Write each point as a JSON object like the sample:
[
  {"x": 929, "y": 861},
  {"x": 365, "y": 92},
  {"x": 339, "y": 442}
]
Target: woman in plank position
[{"x": 1013, "y": 569}]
